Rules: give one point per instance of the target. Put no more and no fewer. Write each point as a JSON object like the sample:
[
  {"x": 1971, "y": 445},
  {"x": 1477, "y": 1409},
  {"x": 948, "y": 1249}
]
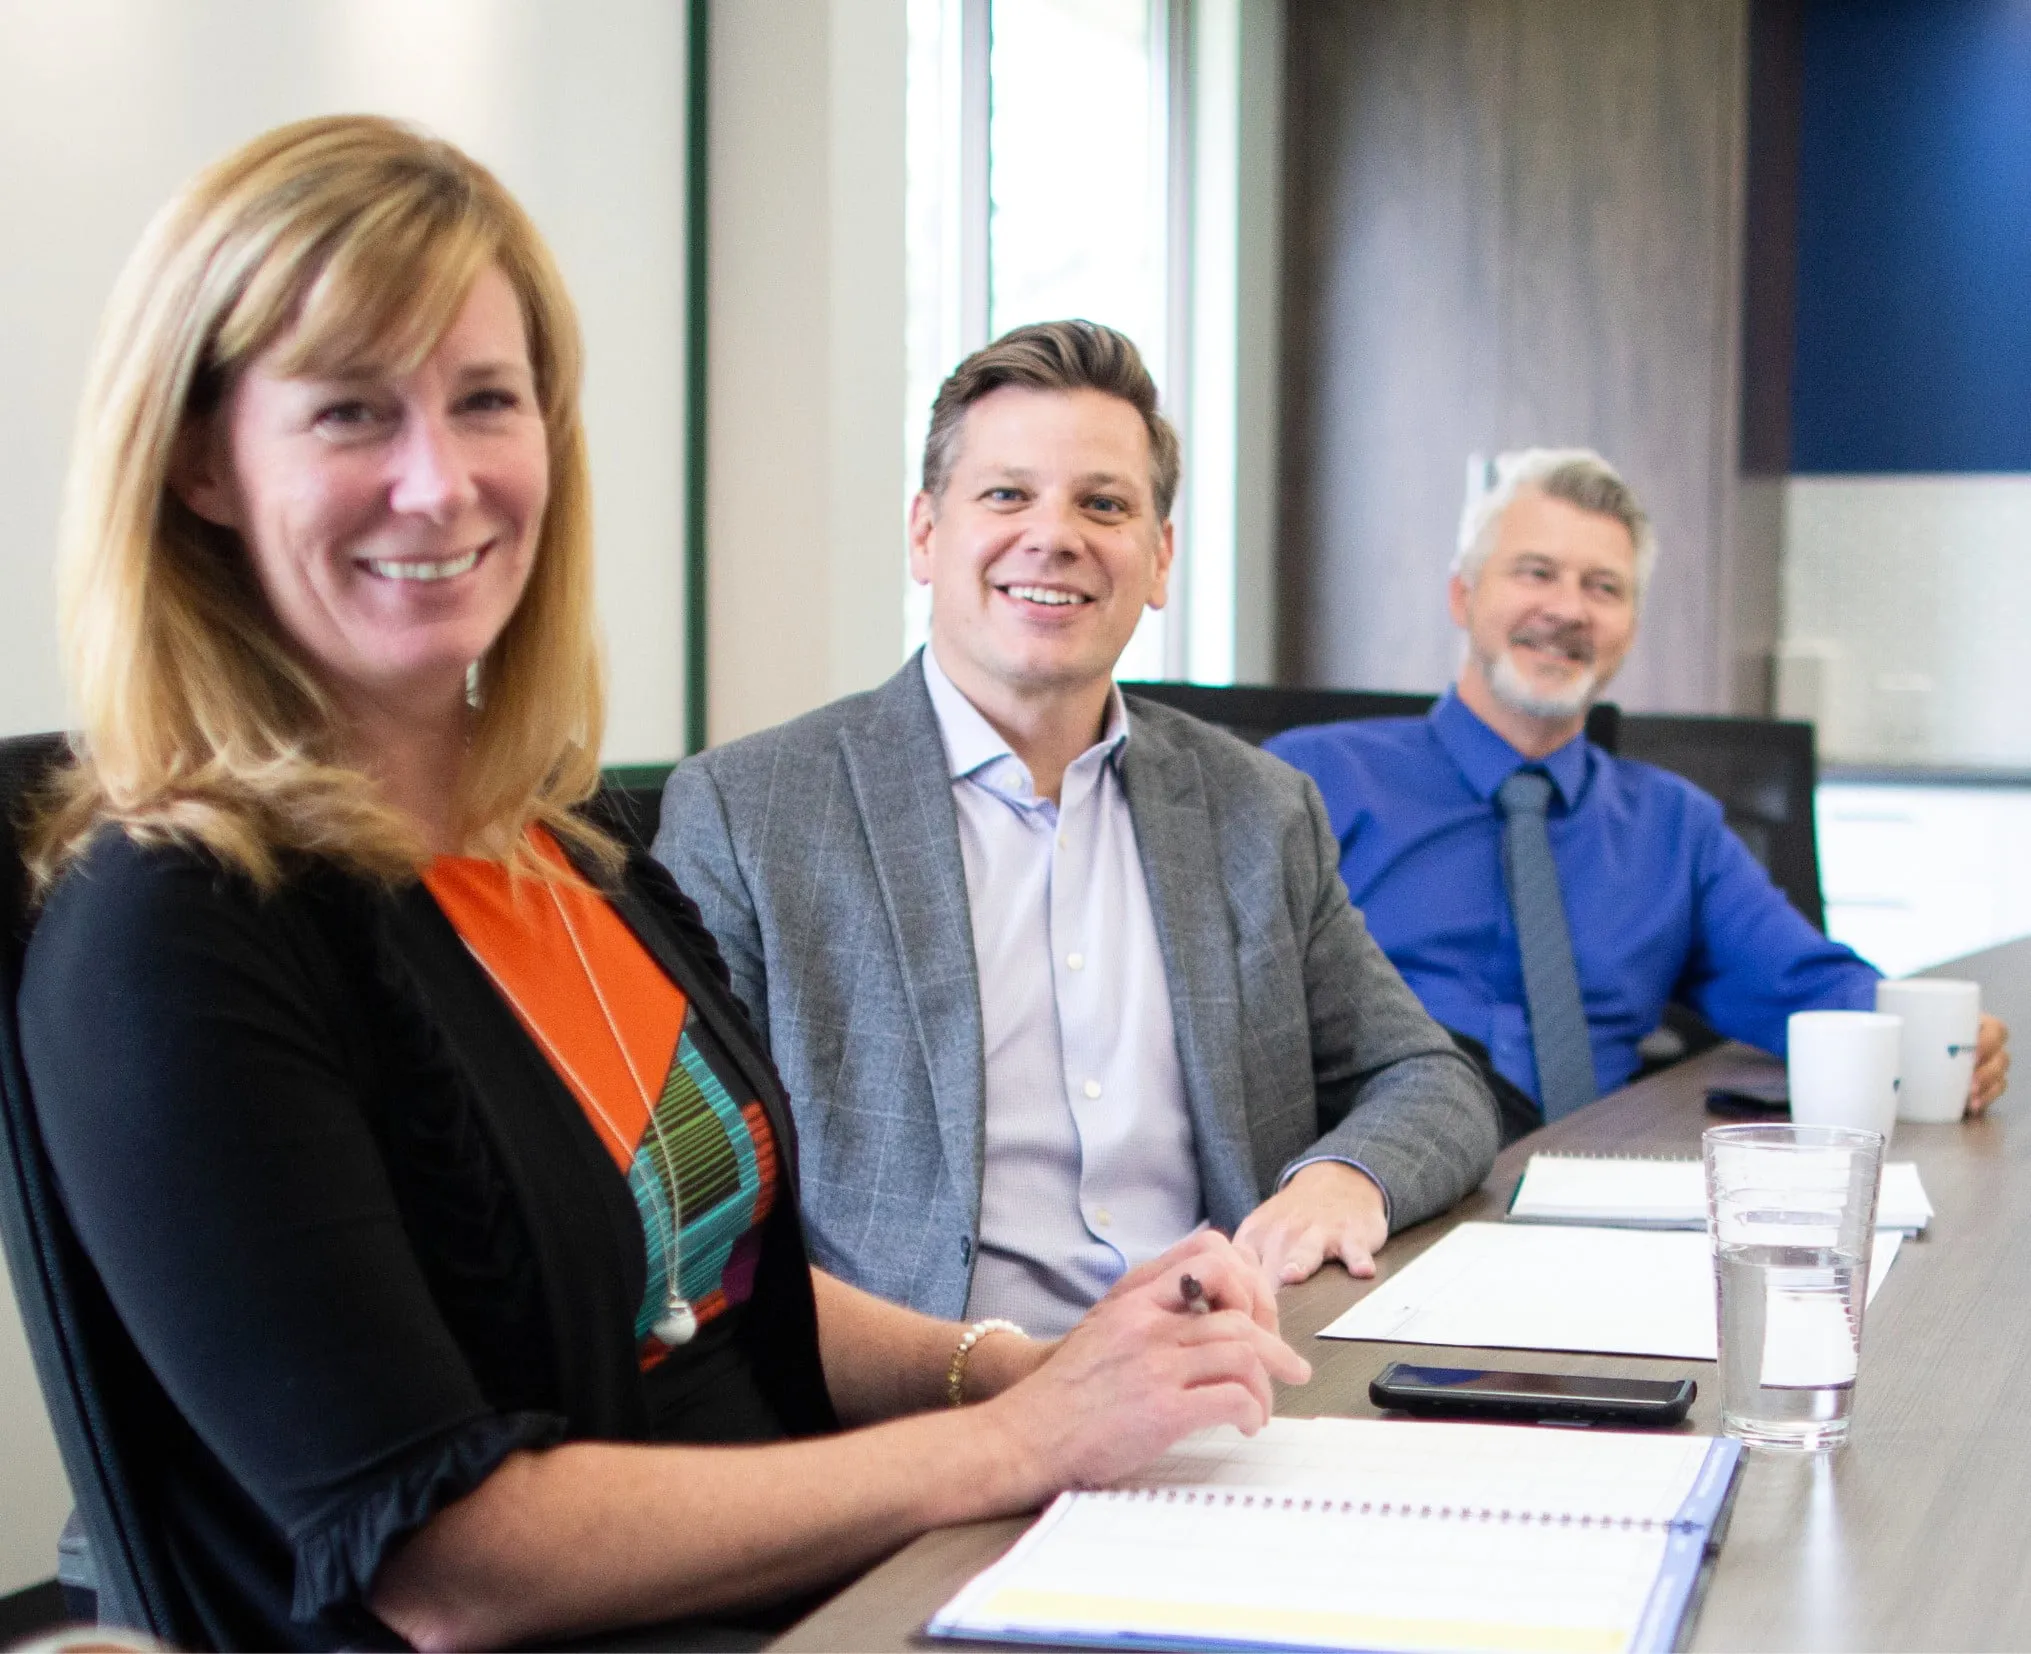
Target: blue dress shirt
[{"x": 1663, "y": 901}]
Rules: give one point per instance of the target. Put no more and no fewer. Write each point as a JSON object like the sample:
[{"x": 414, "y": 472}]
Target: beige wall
[
  {"x": 805, "y": 371},
  {"x": 106, "y": 104}
]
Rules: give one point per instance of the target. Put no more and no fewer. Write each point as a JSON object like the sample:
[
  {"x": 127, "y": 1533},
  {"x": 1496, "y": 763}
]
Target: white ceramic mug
[
  {"x": 1941, "y": 1018},
  {"x": 1842, "y": 1068}
]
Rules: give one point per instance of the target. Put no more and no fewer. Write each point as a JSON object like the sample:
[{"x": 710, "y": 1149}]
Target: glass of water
[{"x": 1791, "y": 1211}]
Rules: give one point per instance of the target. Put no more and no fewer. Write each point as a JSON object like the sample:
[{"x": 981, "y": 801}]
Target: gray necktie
[{"x": 1551, "y": 984}]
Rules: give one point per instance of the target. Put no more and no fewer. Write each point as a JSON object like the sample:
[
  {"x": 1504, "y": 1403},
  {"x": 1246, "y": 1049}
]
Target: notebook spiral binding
[{"x": 1327, "y": 1505}]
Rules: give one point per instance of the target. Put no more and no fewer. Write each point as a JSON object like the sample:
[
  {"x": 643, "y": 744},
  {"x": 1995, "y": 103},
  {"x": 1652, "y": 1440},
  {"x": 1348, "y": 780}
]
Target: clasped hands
[
  {"x": 1148, "y": 1366},
  {"x": 1145, "y": 1368}
]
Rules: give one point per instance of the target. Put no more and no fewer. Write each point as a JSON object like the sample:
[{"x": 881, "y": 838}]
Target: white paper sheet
[{"x": 1523, "y": 1286}]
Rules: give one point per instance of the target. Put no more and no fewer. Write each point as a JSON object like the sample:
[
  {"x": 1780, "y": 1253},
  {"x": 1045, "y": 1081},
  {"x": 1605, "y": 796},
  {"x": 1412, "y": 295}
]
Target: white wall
[
  {"x": 1906, "y": 601},
  {"x": 805, "y": 372},
  {"x": 105, "y": 105},
  {"x": 1916, "y": 875}
]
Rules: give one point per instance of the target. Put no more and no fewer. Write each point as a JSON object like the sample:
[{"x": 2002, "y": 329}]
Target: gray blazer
[{"x": 825, "y": 855}]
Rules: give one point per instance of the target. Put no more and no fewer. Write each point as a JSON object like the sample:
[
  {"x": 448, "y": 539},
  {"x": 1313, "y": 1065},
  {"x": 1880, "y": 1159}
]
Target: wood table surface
[{"x": 1915, "y": 1535}]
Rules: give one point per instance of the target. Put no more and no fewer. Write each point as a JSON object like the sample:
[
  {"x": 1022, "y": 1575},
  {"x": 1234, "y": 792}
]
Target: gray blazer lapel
[
  {"x": 896, "y": 766},
  {"x": 1181, "y": 864}
]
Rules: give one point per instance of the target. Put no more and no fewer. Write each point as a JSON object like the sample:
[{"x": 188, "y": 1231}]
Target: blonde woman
[{"x": 446, "y": 1197}]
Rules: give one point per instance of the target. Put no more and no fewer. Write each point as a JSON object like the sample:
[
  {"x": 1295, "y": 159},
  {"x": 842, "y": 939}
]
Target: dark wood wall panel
[
  {"x": 1770, "y": 233},
  {"x": 1507, "y": 222}
]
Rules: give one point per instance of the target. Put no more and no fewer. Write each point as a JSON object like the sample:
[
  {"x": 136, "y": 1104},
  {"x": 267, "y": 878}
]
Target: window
[{"x": 1050, "y": 173}]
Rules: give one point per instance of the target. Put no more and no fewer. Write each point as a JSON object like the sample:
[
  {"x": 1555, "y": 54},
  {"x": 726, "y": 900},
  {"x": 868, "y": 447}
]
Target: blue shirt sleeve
[{"x": 1755, "y": 959}]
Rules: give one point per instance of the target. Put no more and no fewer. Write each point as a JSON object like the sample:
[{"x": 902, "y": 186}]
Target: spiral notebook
[
  {"x": 1634, "y": 1192},
  {"x": 1372, "y": 1534}
]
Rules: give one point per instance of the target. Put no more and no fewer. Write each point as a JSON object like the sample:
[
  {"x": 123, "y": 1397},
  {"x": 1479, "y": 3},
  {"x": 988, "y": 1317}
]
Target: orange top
[
  {"x": 609, "y": 1029},
  {"x": 700, "y": 1162}
]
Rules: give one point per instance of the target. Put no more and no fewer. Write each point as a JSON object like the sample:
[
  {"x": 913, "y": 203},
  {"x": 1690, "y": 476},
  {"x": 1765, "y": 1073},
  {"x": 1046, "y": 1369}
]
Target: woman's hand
[
  {"x": 1000, "y": 1361},
  {"x": 579, "y": 1535},
  {"x": 1146, "y": 1367}
]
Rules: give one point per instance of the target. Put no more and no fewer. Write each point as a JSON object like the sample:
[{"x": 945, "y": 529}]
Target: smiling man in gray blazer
[{"x": 1054, "y": 975}]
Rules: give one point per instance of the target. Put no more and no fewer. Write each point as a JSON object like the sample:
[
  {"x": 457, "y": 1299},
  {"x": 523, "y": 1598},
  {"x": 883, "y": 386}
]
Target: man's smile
[
  {"x": 1566, "y": 642},
  {"x": 1050, "y": 597}
]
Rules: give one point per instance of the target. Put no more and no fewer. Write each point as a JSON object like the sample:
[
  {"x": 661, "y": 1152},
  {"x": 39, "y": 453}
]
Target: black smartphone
[
  {"x": 1565, "y": 1398},
  {"x": 1736, "y": 1103}
]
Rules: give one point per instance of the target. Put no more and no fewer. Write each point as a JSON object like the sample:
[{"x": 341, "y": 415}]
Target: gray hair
[{"x": 1578, "y": 476}]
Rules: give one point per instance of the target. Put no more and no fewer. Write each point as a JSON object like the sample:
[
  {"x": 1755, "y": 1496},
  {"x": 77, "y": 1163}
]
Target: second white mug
[{"x": 1941, "y": 1019}]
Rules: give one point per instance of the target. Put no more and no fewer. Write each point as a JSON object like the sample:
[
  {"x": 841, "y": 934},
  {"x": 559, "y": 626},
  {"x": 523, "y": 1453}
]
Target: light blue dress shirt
[{"x": 1090, "y": 1161}]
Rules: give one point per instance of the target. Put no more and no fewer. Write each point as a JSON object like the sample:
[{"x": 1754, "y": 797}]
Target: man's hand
[
  {"x": 1992, "y": 1064},
  {"x": 1327, "y": 1210}
]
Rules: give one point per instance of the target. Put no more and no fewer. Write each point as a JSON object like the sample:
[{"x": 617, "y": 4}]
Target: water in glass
[
  {"x": 1792, "y": 1215},
  {"x": 1791, "y": 1326}
]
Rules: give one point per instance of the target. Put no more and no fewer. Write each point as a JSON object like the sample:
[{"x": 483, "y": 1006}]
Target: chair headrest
[{"x": 26, "y": 763}]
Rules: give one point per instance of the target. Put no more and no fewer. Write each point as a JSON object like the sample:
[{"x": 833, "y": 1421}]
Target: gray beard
[{"x": 1508, "y": 686}]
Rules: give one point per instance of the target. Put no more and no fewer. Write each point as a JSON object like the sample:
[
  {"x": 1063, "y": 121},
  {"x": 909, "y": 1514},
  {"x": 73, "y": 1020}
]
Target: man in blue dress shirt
[{"x": 1661, "y": 901}]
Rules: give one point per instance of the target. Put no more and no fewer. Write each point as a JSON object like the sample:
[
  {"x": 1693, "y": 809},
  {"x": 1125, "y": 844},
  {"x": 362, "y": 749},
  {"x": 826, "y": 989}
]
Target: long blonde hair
[{"x": 200, "y": 721}]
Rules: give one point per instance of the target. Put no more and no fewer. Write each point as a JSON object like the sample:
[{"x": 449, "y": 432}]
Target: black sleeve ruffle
[{"x": 337, "y": 1558}]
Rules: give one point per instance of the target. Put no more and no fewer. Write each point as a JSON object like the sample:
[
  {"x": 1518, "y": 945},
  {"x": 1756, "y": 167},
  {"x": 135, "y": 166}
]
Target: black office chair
[
  {"x": 1255, "y": 712},
  {"x": 633, "y": 800},
  {"x": 102, "y": 1401},
  {"x": 1764, "y": 773}
]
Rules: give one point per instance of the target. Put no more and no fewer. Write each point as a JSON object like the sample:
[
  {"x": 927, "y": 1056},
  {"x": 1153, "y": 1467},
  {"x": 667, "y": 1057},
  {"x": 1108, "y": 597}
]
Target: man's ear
[
  {"x": 923, "y": 518},
  {"x": 1167, "y": 550},
  {"x": 201, "y": 474},
  {"x": 1458, "y": 589}
]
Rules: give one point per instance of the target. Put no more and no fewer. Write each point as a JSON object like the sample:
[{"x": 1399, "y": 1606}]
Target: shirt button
[
  {"x": 1064, "y": 843},
  {"x": 1093, "y": 1088},
  {"x": 1102, "y": 1216},
  {"x": 1075, "y": 961}
]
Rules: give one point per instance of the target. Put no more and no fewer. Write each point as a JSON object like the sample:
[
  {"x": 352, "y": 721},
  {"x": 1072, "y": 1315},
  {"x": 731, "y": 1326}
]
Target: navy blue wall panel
[{"x": 1913, "y": 341}]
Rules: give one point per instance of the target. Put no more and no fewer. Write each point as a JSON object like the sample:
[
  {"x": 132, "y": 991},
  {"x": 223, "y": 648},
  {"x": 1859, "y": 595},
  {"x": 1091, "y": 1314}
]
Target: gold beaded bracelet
[{"x": 955, "y": 1375}]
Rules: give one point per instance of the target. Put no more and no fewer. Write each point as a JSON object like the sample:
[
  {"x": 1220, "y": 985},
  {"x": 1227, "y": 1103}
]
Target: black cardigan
[{"x": 363, "y": 1239}]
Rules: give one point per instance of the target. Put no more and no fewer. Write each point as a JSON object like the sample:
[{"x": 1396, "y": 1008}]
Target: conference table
[{"x": 1917, "y": 1534}]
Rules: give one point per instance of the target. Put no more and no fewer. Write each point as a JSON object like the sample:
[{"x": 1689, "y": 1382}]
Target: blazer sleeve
[
  {"x": 695, "y": 843},
  {"x": 207, "y": 1130},
  {"x": 1395, "y": 1095}
]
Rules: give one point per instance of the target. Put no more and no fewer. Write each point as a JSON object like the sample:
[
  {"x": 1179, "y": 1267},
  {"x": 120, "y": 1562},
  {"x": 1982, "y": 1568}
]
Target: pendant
[{"x": 678, "y": 1325}]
